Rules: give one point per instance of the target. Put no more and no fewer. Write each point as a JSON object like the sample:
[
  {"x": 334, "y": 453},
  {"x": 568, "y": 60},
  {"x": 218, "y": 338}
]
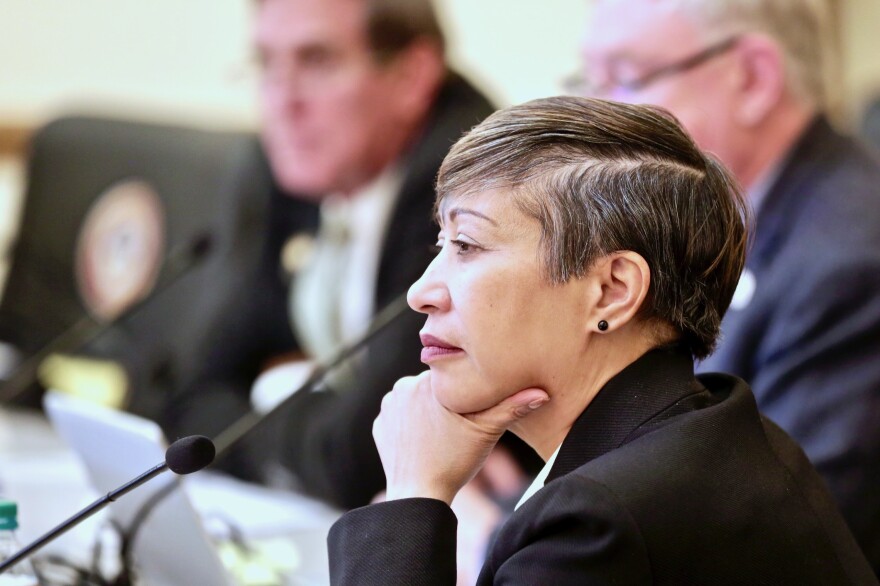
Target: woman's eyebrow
[{"x": 452, "y": 213}]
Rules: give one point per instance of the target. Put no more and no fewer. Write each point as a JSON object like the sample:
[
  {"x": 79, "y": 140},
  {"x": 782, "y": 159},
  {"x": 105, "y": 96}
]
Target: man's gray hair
[{"x": 804, "y": 30}]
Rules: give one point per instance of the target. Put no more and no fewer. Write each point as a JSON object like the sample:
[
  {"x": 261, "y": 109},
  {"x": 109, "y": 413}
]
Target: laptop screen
[{"x": 115, "y": 447}]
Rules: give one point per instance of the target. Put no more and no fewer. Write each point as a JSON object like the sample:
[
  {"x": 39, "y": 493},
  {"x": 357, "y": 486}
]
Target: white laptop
[{"x": 172, "y": 547}]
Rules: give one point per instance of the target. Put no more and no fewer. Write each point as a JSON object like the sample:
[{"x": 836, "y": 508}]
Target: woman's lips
[{"x": 436, "y": 349}]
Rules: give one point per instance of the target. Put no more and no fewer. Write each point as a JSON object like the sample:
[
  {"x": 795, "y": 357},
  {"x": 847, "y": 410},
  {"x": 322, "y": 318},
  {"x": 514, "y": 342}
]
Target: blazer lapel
[{"x": 655, "y": 387}]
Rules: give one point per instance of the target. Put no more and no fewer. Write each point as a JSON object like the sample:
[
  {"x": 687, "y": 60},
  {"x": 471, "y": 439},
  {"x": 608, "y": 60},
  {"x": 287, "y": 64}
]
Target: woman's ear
[{"x": 622, "y": 280}]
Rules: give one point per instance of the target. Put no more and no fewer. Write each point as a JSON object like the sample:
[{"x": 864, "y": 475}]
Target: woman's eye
[
  {"x": 460, "y": 247},
  {"x": 463, "y": 247}
]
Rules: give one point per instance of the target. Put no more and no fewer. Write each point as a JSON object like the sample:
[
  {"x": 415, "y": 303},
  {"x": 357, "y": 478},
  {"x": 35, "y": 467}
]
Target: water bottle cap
[{"x": 8, "y": 515}]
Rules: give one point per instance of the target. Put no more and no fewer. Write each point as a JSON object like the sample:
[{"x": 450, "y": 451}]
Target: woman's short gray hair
[{"x": 601, "y": 177}]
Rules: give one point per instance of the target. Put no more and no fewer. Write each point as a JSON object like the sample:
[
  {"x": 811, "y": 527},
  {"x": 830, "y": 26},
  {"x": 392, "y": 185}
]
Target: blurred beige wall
[
  {"x": 861, "y": 53},
  {"x": 517, "y": 50},
  {"x": 160, "y": 57}
]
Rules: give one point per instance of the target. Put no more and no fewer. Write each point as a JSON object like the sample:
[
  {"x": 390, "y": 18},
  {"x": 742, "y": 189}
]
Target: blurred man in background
[
  {"x": 359, "y": 110},
  {"x": 747, "y": 78}
]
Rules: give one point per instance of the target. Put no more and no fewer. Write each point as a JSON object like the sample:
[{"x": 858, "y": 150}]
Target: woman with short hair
[{"x": 587, "y": 253}]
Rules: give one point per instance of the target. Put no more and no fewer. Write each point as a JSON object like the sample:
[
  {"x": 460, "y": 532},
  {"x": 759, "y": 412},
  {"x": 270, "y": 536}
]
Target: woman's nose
[{"x": 429, "y": 293}]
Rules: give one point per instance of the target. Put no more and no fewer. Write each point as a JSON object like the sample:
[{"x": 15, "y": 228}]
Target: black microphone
[
  {"x": 185, "y": 456},
  {"x": 245, "y": 424},
  {"x": 179, "y": 262}
]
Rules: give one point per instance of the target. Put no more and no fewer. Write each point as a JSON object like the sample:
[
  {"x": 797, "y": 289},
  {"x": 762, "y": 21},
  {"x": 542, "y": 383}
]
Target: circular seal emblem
[{"x": 120, "y": 247}]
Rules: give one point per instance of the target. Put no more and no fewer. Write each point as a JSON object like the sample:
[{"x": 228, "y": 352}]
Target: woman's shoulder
[{"x": 705, "y": 497}]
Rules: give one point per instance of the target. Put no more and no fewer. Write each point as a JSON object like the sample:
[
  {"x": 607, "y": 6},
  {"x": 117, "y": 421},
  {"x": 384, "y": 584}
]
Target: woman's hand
[{"x": 429, "y": 451}]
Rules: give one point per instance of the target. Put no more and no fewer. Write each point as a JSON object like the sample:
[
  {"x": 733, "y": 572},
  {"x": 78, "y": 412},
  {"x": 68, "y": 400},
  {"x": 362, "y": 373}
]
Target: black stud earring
[{"x": 603, "y": 325}]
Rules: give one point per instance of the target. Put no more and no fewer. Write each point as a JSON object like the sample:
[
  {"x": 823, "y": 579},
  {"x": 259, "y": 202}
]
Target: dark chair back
[{"x": 141, "y": 226}]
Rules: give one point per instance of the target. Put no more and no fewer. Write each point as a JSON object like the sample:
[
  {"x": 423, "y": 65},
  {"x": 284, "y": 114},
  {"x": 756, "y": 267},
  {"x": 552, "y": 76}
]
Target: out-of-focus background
[{"x": 190, "y": 62}]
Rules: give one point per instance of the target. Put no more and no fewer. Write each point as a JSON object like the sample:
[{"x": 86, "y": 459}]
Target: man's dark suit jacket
[
  {"x": 326, "y": 438},
  {"x": 664, "y": 479},
  {"x": 808, "y": 341},
  {"x": 871, "y": 123}
]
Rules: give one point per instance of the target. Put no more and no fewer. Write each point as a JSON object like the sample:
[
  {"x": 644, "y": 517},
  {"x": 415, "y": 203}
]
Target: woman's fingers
[
  {"x": 427, "y": 450},
  {"x": 497, "y": 419}
]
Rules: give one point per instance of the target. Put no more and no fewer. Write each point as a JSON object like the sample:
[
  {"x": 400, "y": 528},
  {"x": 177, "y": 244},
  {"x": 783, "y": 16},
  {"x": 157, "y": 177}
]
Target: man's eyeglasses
[{"x": 579, "y": 85}]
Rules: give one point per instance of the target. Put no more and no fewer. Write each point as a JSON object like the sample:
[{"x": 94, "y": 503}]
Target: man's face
[
  {"x": 326, "y": 101},
  {"x": 628, "y": 40}
]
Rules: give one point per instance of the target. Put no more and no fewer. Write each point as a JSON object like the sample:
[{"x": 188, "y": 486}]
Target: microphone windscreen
[
  {"x": 200, "y": 246},
  {"x": 189, "y": 454}
]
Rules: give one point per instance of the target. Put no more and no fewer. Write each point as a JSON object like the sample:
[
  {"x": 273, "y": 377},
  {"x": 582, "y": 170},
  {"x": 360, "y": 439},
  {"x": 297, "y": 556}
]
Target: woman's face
[{"x": 495, "y": 324}]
